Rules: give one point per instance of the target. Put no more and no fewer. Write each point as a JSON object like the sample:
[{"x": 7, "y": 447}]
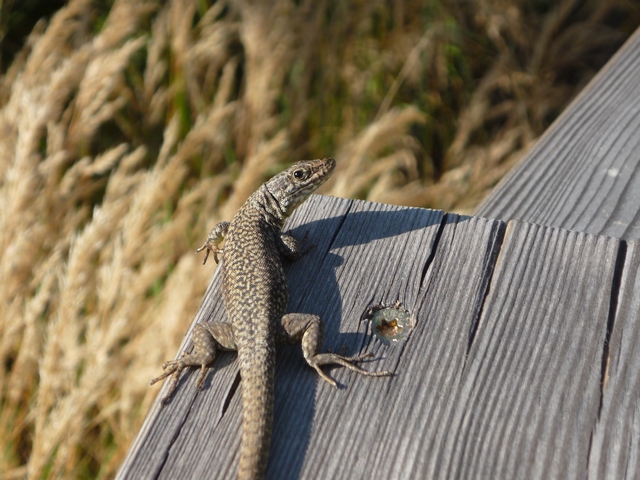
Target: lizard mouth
[{"x": 321, "y": 170}]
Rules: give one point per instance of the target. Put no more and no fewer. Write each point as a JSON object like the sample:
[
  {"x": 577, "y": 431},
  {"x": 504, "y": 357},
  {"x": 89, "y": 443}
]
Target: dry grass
[{"x": 126, "y": 131}]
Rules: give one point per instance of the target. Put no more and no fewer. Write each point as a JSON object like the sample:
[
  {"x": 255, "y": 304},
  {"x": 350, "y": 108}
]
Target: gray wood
[
  {"x": 530, "y": 391},
  {"x": 615, "y": 452},
  {"x": 378, "y": 255},
  {"x": 197, "y": 435},
  {"x": 405, "y": 439},
  {"x": 499, "y": 377},
  {"x": 583, "y": 174}
]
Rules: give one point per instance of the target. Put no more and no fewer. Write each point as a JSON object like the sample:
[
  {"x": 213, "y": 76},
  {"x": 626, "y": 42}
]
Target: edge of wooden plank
[{"x": 582, "y": 172}]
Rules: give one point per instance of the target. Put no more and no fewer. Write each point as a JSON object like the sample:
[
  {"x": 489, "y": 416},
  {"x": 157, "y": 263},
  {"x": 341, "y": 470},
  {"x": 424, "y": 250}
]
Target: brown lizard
[{"x": 255, "y": 293}]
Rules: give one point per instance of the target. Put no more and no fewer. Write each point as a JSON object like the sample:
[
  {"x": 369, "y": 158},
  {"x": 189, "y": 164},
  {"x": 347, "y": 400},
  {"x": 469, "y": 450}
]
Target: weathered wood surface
[
  {"x": 531, "y": 390},
  {"x": 616, "y": 442},
  {"x": 323, "y": 282},
  {"x": 500, "y": 376},
  {"x": 584, "y": 173}
]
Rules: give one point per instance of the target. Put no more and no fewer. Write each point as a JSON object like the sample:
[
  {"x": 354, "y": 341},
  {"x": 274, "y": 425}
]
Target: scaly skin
[{"x": 255, "y": 293}]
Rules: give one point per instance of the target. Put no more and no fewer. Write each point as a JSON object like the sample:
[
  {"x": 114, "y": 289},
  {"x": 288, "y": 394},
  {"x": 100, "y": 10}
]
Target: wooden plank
[
  {"x": 615, "y": 451},
  {"x": 378, "y": 256},
  {"x": 530, "y": 391},
  {"x": 365, "y": 253},
  {"x": 584, "y": 174},
  {"x": 372, "y": 429},
  {"x": 497, "y": 385},
  {"x": 404, "y": 438}
]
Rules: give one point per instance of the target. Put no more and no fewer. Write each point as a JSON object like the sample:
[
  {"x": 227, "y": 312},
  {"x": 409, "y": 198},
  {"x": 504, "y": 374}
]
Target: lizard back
[{"x": 256, "y": 294}]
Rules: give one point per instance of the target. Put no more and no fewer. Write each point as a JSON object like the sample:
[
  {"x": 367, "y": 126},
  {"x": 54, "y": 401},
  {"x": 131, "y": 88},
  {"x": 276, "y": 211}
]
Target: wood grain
[
  {"x": 495, "y": 377},
  {"x": 615, "y": 451},
  {"x": 407, "y": 438},
  {"x": 530, "y": 391}
]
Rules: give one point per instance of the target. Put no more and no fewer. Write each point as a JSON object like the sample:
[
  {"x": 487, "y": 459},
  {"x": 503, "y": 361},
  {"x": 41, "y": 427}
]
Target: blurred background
[{"x": 129, "y": 128}]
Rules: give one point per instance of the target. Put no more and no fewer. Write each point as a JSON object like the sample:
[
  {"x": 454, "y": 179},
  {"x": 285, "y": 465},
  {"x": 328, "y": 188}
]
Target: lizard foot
[
  {"x": 211, "y": 248},
  {"x": 333, "y": 358},
  {"x": 175, "y": 368}
]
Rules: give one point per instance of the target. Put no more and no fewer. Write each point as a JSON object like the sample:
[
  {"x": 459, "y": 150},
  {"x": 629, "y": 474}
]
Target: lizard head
[{"x": 293, "y": 186}]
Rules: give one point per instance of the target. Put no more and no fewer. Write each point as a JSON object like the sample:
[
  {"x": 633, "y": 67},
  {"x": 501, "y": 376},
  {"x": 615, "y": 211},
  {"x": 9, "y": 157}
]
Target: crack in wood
[
  {"x": 613, "y": 311},
  {"x": 230, "y": 394},
  {"x": 434, "y": 249},
  {"x": 616, "y": 283},
  {"x": 488, "y": 267}
]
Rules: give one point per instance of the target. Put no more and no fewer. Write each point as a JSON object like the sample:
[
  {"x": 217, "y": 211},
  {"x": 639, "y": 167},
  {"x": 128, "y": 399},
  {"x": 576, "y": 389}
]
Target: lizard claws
[{"x": 209, "y": 249}]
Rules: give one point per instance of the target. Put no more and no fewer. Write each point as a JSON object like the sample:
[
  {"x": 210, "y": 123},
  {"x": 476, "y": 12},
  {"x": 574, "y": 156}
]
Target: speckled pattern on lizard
[{"x": 255, "y": 293}]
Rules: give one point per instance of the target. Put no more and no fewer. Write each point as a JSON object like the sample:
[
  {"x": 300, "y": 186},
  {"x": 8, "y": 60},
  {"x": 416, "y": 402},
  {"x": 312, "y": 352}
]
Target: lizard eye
[{"x": 298, "y": 174}]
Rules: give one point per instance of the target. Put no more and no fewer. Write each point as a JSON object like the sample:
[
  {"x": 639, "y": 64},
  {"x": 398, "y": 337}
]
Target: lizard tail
[{"x": 257, "y": 368}]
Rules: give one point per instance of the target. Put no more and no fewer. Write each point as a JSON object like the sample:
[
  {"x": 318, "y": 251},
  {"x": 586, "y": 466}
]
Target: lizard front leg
[
  {"x": 208, "y": 338},
  {"x": 215, "y": 237},
  {"x": 309, "y": 330}
]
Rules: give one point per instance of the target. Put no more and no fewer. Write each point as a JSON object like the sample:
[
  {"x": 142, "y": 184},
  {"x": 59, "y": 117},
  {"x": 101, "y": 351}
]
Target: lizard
[{"x": 255, "y": 295}]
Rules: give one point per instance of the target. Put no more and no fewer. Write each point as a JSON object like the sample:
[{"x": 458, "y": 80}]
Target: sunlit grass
[{"x": 129, "y": 128}]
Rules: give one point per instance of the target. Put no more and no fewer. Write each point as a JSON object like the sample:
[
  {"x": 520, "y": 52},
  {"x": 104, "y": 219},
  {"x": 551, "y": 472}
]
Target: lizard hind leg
[
  {"x": 309, "y": 330},
  {"x": 207, "y": 339}
]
